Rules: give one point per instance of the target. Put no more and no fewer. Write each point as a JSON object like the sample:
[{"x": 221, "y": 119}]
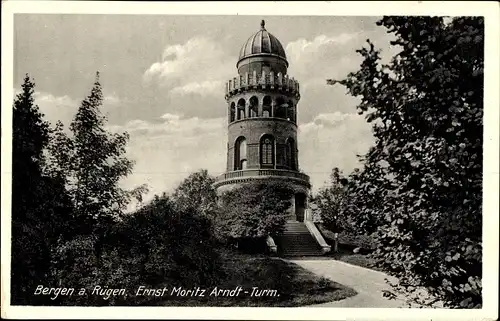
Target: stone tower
[{"x": 262, "y": 121}]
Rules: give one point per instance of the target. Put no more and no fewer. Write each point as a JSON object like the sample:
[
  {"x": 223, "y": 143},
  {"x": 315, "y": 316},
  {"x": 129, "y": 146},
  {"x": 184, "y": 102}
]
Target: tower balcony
[
  {"x": 267, "y": 81},
  {"x": 245, "y": 175}
]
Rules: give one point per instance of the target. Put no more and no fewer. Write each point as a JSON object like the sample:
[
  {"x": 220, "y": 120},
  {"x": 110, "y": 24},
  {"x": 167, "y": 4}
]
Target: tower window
[
  {"x": 233, "y": 112},
  {"x": 240, "y": 154},
  {"x": 266, "y": 107},
  {"x": 281, "y": 108},
  {"x": 267, "y": 151},
  {"x": 240, "y": 109},
  {"x": 292, "y": 116},
  {"x": 290, "y": 154},
  {"x": 254, "y": 106}
]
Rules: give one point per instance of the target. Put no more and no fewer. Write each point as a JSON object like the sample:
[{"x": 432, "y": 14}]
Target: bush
[
  {"x": 196, "y": 193},
  {"x": 253, "y": 210},
  {"x": 154, "y": 246}
]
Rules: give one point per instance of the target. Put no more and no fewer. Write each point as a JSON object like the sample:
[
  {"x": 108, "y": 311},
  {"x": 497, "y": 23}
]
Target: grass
[
  {"x": 347, "y": 243},
  {"x": 355, "y": 259},
  {"x": 294, "y": 285}
]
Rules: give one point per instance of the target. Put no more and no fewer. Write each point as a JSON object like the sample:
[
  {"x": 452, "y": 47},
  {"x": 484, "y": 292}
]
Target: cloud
[
  {"x": 332, "y": 140},
  {"x": 168, "y": 150},
  {"x": 312, "y": 61},
  {"x": 300, "y": 48},
  {"x": 334, "y": 56},
  {"x": 205, "y": 88},
  {"x": 112, "y": 99},
  {"x": 56, "y": 108},
  {"x": 324, "y": 56},
  {"x": 64, "y": 108},
  {"x": 170, "y": 117},
  {"x": 199, "y": 66}
]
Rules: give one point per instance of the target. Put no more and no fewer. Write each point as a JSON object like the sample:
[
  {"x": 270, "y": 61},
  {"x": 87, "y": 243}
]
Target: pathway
[{"x": 368, "y": 283}]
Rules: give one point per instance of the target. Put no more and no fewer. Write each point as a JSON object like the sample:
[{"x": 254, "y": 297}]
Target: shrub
[
  {"x": 253, "y": 210},
  {"x": 196, "y": 193},
  {"x": 154, "y": 246}
]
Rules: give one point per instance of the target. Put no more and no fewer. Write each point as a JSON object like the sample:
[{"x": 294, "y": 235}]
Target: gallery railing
[
  {"x": 261, "y": 172},
  {"x": 279, "y": 80}
]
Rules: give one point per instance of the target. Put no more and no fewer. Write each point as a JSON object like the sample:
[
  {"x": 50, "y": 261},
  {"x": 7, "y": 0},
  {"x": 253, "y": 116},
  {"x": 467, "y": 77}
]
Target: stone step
[
  {"x": 296, "y": 227},
  {"x": 296, "y": 240},
  {"x": 302, "y": 253},
  {"x": 299, "y": 244},
  {"x": 293, "y": 227},
  {"x": 297, "y": 237},
  {"x": 296, "y": 231}
]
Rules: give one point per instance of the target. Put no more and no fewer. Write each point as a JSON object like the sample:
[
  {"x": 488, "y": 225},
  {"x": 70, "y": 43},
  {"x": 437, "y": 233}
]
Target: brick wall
[{"x": 253, "y": 129}]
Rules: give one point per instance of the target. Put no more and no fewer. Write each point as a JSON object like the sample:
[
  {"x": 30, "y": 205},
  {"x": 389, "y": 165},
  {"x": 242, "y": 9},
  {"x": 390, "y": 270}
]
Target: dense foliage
[
  {"x": 195, "y": 193},
  {"x": 253, "y": 210},
  {"x": 154, "y": 247},
  {"x": 69, "y": 222},
  {"x": 420, "y": 187},
  {"x": 331, "y": 200},
  {"x": 39, "y": 205}
]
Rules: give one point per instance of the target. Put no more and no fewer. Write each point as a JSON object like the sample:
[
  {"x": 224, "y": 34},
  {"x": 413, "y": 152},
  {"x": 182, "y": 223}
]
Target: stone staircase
[{"x": 297, "y": 241}]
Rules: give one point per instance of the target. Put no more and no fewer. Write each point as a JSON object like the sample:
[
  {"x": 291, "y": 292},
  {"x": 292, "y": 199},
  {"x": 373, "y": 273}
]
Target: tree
[
  {"x": 254, "y": 210},
  {"x": 330, "y": 201},
  {"x": 197, "y": 194},
  {"x": 421, "y": 184},
  {"x": 91, "y": 162},
  {"x": 39, "y": 203},
  {"x": 177, "y": 246},
  {"x": 156, "y": 246},
  {"x": 97, "y": 163}
]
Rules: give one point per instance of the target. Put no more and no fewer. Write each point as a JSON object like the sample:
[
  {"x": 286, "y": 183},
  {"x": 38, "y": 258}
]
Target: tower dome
[{"x": 262, "y": 44}]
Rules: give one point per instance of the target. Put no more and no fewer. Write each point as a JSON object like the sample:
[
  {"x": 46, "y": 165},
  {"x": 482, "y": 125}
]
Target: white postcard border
[{"x": 490, "y": 10}]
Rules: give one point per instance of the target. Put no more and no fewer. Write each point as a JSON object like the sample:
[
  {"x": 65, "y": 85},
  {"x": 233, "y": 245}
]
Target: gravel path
[{"x": 368, "y": 283}]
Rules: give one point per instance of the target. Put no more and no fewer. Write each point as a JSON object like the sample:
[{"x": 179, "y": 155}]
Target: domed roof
[{"x": 262, "y": 43}]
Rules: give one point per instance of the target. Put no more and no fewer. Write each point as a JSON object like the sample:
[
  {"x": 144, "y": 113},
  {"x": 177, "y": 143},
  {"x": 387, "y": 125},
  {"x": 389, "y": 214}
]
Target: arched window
[
  {"x": 266, "y": 107},
  {"x": 281, "y": 108},
  {"x": 290, "y": 154},
  {"x": 291, "y": 112},
  {"x": 240, "y": 154},
  {"x": 233, "y": 112},
  {"x": 240, "y": 110},
  {"x": 253, "y": 108},
  {"x": 267, "y": 151}
]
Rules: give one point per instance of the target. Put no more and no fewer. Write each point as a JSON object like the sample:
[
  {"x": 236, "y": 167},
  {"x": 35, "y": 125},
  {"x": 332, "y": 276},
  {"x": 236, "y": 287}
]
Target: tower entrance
[{"x": 300, "y": 206}]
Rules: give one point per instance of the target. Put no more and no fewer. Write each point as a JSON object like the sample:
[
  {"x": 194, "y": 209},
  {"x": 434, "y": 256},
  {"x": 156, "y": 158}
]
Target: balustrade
[
  {"x": 283, "y": 81},
  {"x": 262, "y": 172}
]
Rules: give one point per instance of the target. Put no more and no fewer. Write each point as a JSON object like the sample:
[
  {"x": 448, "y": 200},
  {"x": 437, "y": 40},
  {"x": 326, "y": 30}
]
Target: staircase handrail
[{"x": 317, "y": 236}]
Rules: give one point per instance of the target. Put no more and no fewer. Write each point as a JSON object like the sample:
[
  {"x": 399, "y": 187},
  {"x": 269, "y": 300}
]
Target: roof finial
[{"x": 262, "y": 25}]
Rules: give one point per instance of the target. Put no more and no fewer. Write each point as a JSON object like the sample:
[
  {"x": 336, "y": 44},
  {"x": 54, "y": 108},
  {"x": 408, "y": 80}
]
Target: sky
[{"x": 163, "y": 81}]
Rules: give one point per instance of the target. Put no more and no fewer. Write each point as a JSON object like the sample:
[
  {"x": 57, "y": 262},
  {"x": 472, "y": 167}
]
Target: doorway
[{"x": 300, "y": 206}]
